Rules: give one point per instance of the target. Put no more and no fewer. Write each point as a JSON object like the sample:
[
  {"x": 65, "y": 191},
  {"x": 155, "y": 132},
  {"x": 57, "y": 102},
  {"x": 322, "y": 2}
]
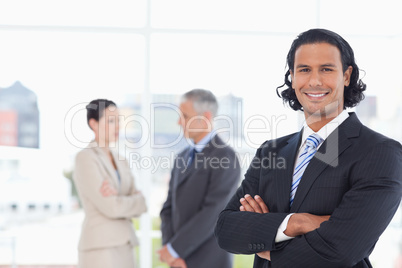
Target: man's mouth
[{"x": 316, "y": 95}]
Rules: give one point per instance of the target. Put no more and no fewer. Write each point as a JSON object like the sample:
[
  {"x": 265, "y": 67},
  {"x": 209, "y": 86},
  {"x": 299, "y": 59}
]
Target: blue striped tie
[
  {"x": 191, "y": 157},
  {"x": 304, "y": 158}
]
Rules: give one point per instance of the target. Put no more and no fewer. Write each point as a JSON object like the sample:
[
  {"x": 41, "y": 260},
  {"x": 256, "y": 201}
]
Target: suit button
[
  {"x": 258, "y": 246},
  {"x": 262, "y": 246},
  {"x": 254, "y": 246},
  {"x": 250, "y": 246}
]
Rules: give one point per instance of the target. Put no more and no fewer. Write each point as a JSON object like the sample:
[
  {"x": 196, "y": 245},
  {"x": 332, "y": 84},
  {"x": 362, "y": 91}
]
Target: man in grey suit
[
  {"x": 204, "y": 177},
  {"x": 341, "y": 183}
]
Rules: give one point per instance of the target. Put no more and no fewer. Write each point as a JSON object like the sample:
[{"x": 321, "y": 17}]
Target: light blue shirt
[
  {"x": 198, "y": 147},
  {"x": 203, "y": 142},
  {"x": 118, "y": 175}
]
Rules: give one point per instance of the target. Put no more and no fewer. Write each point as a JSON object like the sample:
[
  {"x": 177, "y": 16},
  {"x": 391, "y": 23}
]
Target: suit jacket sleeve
[
  {"x": 166, "y": 215},
  {"x": 222, "y": 184},
  {"x": 347, "y": 238},
  {"x": 356, "y": 224},
  {"x": 246, "y": 232},
  {"x": 88, "y": 179}
]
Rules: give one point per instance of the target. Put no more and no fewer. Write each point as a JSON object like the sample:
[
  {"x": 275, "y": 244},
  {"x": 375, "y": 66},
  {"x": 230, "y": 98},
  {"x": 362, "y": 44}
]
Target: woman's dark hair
[
  {"x": 353, "y": 93},
  {"x": 96, "y": 108}
]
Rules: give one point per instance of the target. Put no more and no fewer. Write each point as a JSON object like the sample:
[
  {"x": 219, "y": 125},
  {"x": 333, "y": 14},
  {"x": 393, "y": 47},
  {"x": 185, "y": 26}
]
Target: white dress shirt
[{"x": 324, "y": 132}]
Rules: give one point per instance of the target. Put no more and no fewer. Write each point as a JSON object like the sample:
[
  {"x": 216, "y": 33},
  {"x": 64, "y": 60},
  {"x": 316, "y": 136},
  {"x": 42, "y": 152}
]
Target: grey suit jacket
[
  {"x": 356, "y": 177},
  {"x": 196, "y": 196},
  {"x": 107, "y": 220}
]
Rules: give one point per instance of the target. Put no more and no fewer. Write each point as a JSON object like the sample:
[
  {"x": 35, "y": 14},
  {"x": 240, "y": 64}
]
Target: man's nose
[{"x": 315, "y": 79}]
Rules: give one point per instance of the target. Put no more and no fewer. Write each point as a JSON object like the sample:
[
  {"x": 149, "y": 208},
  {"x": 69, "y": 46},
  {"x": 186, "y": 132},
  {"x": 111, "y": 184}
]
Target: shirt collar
[
  {"x": 204, "y": 141},
  {"x": 326, "y": 130}
]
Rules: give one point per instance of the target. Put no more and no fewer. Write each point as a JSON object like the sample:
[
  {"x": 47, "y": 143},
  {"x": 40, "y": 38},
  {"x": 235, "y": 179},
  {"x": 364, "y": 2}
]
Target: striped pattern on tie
[
  {"x": 191, "y": 156},
  {"x": 304, "y": 158}
]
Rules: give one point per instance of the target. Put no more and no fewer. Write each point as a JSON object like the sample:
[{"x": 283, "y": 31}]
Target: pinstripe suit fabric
[{"x": 356, "y": 177}]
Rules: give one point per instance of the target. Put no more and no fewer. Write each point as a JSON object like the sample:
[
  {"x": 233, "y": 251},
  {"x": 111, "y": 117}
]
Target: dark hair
[
  {"x": 353, "y": 93},
  {"x": 96, "y": 108}
]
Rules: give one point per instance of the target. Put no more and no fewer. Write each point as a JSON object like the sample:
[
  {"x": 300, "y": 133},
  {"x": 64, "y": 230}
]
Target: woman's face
[{"x": 107, "y": 128}]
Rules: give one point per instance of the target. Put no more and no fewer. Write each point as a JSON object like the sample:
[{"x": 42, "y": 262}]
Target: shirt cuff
[
  {"x": 172, "y": 251},
  {"x": 280, "y": 235}
]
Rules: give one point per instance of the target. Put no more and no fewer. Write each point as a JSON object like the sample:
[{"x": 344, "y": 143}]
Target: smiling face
[{"x": 319, "y": 81}]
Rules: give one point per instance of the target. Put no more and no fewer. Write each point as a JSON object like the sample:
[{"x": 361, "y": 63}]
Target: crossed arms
[
  {"x": 298, "y": 224},
  {"x": 362, "y": 196}
]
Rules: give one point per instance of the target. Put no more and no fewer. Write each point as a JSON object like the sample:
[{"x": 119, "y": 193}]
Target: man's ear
[
  {"x": 291, "y": 78},
  {"x": 208, "y": 118},
  {"x": 93, "y": 124},
  {"x": 208, "y": 115},
  {"x": 347, "y": 75}
]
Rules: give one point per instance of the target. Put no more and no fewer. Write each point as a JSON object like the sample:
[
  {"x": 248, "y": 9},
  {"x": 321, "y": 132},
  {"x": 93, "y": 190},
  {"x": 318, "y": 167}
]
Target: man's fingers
[
  {"x": 250, "y": 204},
  {"x": 256, "y": 207},
  {"x": 265, "y": 255},
  {"x": 179, "y": 265},
  {"x": 326, "y": 217},
  {"x": 261, "y": 203},
  {"x": 246, "y": 205}
]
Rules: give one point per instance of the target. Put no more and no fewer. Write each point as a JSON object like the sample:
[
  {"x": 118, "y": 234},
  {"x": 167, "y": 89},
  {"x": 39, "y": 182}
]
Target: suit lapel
[
  {"x": 108, "y": 166},
  {"x": 284, "y": 176},
  {"x": 184, "y": 171},
  {"x": 121, "y": 184},
  {"x": 327, "y": 156},
  {"x": 188, "y": 171}
]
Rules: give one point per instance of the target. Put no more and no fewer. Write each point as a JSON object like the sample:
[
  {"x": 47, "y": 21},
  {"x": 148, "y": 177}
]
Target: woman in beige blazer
[{"x": 107, "y": 193}]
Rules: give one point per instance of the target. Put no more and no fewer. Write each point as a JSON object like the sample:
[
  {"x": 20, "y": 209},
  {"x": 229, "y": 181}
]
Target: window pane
[
  {"x": 250, "y": 67},
  {"x": 383, "y": 103},
  {"x": 117, "y": 13},
  {"x": 66, "y": 69},
  {"x": 237, "y": 15},
  {"x": 362, "y": 17}
]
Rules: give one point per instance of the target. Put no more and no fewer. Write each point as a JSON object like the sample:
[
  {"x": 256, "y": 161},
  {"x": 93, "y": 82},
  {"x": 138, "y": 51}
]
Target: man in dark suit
[
  {"x": 204, "y": 177},
  {"x": 336, "y": 191}
]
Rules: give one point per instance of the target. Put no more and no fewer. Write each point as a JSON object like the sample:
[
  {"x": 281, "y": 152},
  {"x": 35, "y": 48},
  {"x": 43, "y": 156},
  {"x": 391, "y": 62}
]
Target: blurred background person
[
  {"x": 204, "y": 176},
  {"x": 108, "y": 194}
]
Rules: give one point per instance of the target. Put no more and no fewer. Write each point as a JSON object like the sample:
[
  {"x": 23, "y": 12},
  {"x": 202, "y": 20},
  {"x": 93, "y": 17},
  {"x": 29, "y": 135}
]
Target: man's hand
[
  {"x": 299, "y": 223},
  {"x": 164, "y": 256},
  {"x": 265, "y": 255},
  {"x": 256, "y": 205},
  {"x": 179, "y": 263},
  {"x": 107, "y": 189},
  {"x": 302, "y": 223}
]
